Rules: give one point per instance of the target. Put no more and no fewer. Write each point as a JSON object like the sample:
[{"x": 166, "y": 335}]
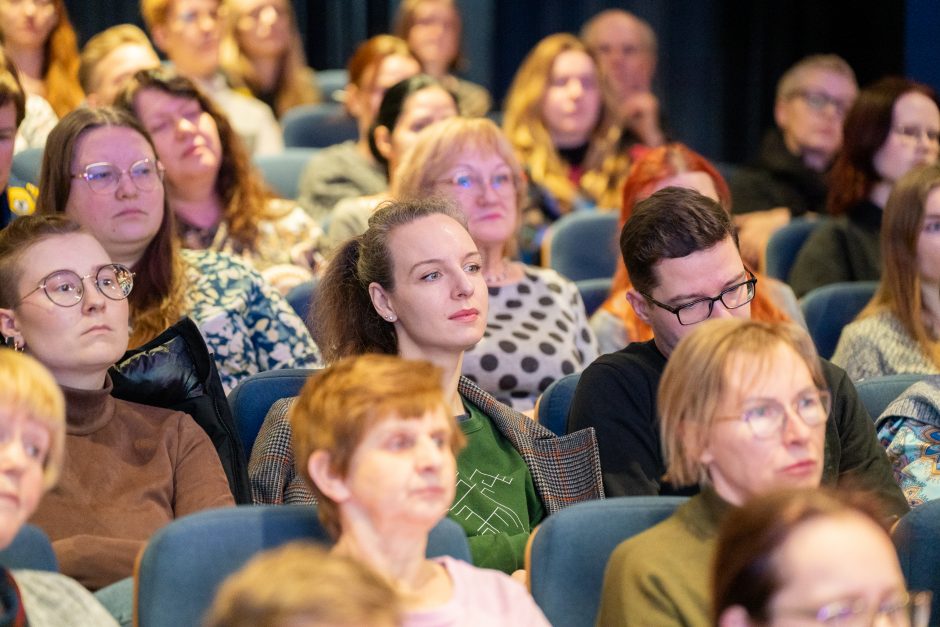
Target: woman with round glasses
[
  {"x": 811, "y": 557},
  {"x": 536, "y": 330},
  {"x": 129, "y": 468},
  {"x": 101, "y": 170},
  {"x": 743, "y": 408},
  {"x": 219, "y": 198}
]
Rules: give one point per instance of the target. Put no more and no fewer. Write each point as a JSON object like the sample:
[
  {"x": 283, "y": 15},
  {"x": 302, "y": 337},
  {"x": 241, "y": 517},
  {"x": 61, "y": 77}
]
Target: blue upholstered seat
[
  {"x": 282, "y": 171},
  {"x": 30, "y": 549},
  {"x": 829, "y": 308},
  {"x": 784, "y": 245},
  {"x": 317, "y": 126},
  {"x": 584, "y": 245},
  {"x": 252, "y": 398},
  {"x": 915, "y": 539},
  {"x": 555, "y": 401},
  {"x": 878, "y": 392}
]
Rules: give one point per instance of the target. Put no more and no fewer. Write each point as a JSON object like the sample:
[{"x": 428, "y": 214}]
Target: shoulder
[
  {"x": 494, "y": 592},
  {"x": 637, "y": 360}
]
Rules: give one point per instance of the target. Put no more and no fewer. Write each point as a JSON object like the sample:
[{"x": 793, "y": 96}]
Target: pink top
[{"x": 481, "y": 597}]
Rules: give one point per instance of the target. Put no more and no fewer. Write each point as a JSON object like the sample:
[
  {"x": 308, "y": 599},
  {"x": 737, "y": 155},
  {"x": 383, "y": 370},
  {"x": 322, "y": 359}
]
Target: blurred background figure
[{"x": 110, "y": 58}]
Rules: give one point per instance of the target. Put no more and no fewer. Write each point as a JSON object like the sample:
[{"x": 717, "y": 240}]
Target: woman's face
[
  {"x": 402, "y": 472},
  {"x": 571, "y": 105},
  {"x": 186, "y": 136},
  {"x": 912, "y": 140},
  {"x": 24, "y": 446},
  {"x": 77, "y": 343},
  {"x": 262, "y": 27},
  {"x": 928, "y": 242},
  {"x": 26, "y": 24},
  {"x": 834, "y": 564},
  {"x": 482, "y": 185},
  {"x": 739, "y": 463},
  {"x": 365, "y": 101},
  {"x": 421, "y": 109},
  {"x": 435, "y": 35},
  {"x": 125, "y": 219},
  {"x": 439, "y": 301}
]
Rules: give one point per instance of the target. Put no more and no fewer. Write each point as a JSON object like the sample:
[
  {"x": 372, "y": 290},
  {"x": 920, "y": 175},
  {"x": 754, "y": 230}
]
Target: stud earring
[{"x": 12, "y": 343}]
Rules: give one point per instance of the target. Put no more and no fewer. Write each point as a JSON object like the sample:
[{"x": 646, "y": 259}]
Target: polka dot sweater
[{"x": 537, "y": 332}]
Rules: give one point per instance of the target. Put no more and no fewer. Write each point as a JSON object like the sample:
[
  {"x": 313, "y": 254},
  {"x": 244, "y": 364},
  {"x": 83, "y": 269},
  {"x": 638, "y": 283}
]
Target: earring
[
  {"x": 390, "y": 317},
  {"x": 12, "y": 343}
]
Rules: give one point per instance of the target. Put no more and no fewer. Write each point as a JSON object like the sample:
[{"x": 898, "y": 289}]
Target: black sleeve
[
  {"x": 862, "y": 462},
  {"x": 620, "y": 404},
  {"x": 823, "y": 259}
]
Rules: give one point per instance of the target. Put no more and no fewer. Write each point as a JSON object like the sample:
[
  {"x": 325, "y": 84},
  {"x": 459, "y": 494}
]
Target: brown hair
[
  {"x": 694, "y": 382},
  {"x": 239, "y": 185},
  {"x": 300, "y": 583},
  {"x": 605, "y": 163},
  {"x": 16, "y": 238},
  {"x": 11, "y": 90},
  {"x": 338, "y": 405},
  {"x": 103, "y": 44},
  {"x": 899, "y": 291},
  {"x": 865, "y": 131},
  {"x": 745, "y": 572},
  {"x": 155, "y": 12},
  {"x": 672, "y": 223},
  {"x": 346, "y": 321},
  {"x": 159, "y": 298}
]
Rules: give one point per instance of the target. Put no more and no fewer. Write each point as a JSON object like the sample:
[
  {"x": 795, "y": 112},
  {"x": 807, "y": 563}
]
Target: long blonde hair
[{"x": 605, "y": 164}]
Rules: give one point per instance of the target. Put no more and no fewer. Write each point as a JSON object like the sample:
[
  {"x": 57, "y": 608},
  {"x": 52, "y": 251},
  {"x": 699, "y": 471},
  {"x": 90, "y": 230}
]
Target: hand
[{"x": 640, "y": 113}]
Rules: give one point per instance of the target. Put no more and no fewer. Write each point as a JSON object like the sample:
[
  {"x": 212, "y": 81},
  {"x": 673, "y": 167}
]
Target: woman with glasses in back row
[{"x": 129, "y": 469}]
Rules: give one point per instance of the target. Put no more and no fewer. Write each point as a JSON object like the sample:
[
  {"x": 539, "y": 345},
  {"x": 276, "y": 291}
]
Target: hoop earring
[{"x": 12, "y": 343}]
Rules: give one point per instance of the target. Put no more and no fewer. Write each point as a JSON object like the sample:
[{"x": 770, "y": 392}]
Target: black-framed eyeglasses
[
  {"x": 698, "y": 310},
  {"x": 104, "y": 177},
  {"x": 766, "y": 417},
  {"x": 66, "y": 288},
  {"x": 911, "y": 610},
  {"x": 817, "y": 100}
]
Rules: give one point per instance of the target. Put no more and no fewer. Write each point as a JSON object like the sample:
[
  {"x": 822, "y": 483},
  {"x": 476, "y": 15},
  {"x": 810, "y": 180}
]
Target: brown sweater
[{"x": 129, "y": 470}]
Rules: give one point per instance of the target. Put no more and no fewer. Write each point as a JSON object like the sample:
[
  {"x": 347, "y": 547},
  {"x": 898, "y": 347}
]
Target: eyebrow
[
  {"x": 734, "y": 281},
  {"x": 474, "y": 254}
]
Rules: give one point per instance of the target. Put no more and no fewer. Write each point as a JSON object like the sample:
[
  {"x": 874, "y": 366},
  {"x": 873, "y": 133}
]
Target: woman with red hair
[{"x": 674, "y": 165}]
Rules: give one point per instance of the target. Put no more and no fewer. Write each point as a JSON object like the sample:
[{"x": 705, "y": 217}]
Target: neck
[
  {"x": 450, "y": 365},
  {"x": 880, "y": 192},
  {"x": 28, "y": 61},
  {"x": 815, "y": 160},
  {"x": 267, "y": 71},
  {"x": 930, "y": 299},
  {"x": 203, "y": 211},
  {"x": 81, "y": 380},
  {"x": 130, "y": 255},
  {"x": 392, "y": 548},
  {"x": 436, "y": 69},
  {"x": 569, "y": 140}
]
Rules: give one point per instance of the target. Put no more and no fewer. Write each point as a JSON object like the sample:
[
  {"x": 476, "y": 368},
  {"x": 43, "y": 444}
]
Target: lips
[
  {"x": 801, "y": 468},
  {"x": 465, "y": 315},
  {"x": 98, "y": 328}
]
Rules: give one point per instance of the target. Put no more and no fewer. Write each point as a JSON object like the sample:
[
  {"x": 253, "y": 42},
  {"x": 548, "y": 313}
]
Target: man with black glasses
[{"x": 681, "y": 252}]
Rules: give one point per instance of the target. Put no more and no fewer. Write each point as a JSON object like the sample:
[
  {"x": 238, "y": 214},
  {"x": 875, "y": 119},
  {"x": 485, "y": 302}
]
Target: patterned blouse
[
  {"x": 246, "y": 323},
  {"x": 285, "y": 251},
  {"x": 536, "y": 332}
]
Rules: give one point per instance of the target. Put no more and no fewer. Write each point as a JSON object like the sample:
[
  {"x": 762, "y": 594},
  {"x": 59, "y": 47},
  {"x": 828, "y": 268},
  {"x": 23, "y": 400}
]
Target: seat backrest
[
  {"x": 27, "y": 164},
  {"x": 282, "y": 171},
  {"x": 593, "y": 292},
  {"x": 584, "y": 245},
  {"x": 829, "y": 308},
  {"x": 185, "y": 562},
  {"x": 915, "y": 539},
  {"x": 878, "y": 392},
  {"x": 317, "y": 126},
  {"x": 784, "y": 245},
  {"x": 31, "y": 550},
  {"x": 555, "y": 401},
  {"x": 252, "y": 398},
  {"x": 570, "y": 549},
  {"x": 331, "y": 82}
]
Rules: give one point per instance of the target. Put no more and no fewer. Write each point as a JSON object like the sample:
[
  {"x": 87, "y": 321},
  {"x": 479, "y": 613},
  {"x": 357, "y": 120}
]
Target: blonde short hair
[
  {"x": 301, "y": 583},
  {"x": 103, "y": 44},
  {"x": 695, "y": 379},
  {"x": 26, "y": 386},
  {"x": 790, "y": 82},
  {"x": 338, "y": 405}
]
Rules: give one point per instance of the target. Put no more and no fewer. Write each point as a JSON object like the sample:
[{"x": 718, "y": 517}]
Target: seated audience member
[
  {"x": 40, "y": 41},
  {"x": 38, "y": 116},
  {"x": 411, "y": 285},
  {"x": 129, "y": 469},
  {"x": 349, "y": 169},
  {"x": 376, "y": 437},
  {"x": 554, "y": 121},
  {"x": 189, "y": 33},
  {"x": 110, "y": 58},
  {"x": 892, "y": 127},
  {"x": 674, "y": 165},
  {"x": 897, "y": 332},
  {"x": 17, "y": 198},
  {"x": 219, "y": 198},
  {"x": 301, "y": 585},
  {"x": 432, "y": 29},
  {"x": 908, "y": 430},
  {"x": 536, "y": 330},
  {"x": 787, "y": 177},
  {"x": 407, "y": 107},
  {"x": 32, "y": 417},
  {"x": 625, "y": 49},
  {"x": 263, "y": 49},
  {"x": 101, "y": 170},
  {"x": 680, "y": 252},
  {"x": 810, "y": 557},
  {"x": 743, "y": 410}
]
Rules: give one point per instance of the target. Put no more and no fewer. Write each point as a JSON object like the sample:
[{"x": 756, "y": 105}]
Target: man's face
[
  {"x": 624, "y": 54},
  {"x": 811, "y": 117},
  {"x": 190, "y": 37},
  {"x": 704, "y": 273}
]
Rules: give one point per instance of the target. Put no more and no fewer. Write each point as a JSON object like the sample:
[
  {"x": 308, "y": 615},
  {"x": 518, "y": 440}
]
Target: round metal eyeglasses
[
  {"x": 104, "y": 177},
  {"x": 66, "y": 288}
]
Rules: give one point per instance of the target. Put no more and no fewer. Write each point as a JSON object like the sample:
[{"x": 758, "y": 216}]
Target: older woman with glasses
[
  {"x": 130, "y": 468},
  {"x": 743, "y": 407}
]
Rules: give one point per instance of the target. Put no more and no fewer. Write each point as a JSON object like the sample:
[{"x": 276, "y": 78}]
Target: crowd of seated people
[{"x": 438, "y": 332}]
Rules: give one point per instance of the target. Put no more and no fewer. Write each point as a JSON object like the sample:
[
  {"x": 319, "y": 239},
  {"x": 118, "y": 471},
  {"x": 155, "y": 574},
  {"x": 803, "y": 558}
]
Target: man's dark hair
[{"x": 672, "y": 223}]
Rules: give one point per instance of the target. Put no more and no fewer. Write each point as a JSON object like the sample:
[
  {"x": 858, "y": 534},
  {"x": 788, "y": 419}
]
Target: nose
[
  {"x": 13, "y": 456},
  {"x": 463, "y": 286},
  {"x": 720, "y": 311},
  {"x": 92, "y": 298},
  {"x": 795, "y": 429},
  {"x": 428, "y": 454},
  {"x": 575, "y": 88},
  {"x": 126, "y": 187},
  {"x": 184, "y": 127}
]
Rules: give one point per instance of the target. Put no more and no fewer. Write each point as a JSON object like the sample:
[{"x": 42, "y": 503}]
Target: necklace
[{"x": 496, "y": 278}]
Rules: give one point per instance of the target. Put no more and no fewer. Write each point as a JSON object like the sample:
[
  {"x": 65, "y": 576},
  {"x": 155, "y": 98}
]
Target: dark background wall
[{"x": 719, "y": 59}]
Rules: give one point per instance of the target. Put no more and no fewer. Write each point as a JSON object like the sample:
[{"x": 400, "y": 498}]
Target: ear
[
  {"x": 8, "y": 326},
  {"x": 383, "y": 141},
  {"x": 329, "y": 482},
  {"x": 640, "y": 305},
  {"x": 158, "y": 34},
  {"x": 381, "y": 302},
  {"x": 734, "y": 616},
  {"x": 781, "y": 113},
  {"x": 351, "y": 100}
]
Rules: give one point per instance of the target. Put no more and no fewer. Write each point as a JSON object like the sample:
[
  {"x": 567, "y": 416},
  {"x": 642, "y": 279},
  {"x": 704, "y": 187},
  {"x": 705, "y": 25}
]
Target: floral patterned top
[
  {"x": 247, "y": 324},
  {"x": 286, "y": 249}
]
